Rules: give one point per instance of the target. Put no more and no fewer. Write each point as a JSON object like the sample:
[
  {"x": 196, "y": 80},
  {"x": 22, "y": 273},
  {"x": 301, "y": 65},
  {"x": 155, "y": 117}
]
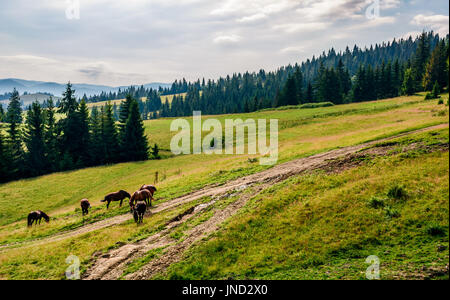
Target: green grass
[
  {"x": 303, "y": 132},
  {"x": 319, "y": 226},
  {"x": 139, "y": 263}
]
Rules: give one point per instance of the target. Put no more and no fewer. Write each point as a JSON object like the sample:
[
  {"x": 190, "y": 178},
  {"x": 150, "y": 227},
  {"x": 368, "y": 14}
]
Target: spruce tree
[
  {"x": 110, "y": 141},
  {"x": 83, "y": 132},
  {"x": 96, "y": 147},
  {"x": 36, "y": 160},
  {"x": 135, "y": 141},
  {"x": 2, "y": 114},
  {"x": 309, "y": 97},
  {"x": 436, "y": 92},
  {"x": 5, "y": 159},
  {"x": 14, "y": 118},
  {"x": 14, "y": 112},
  {"x": 420, "y": 60},
  {"x": 408, "y": 86},
  {"x": 436, "y": 69},
  {"x": 68, "y": 103},
  {"x": 124, "y": 112},
  {"x": 51, "y": 136},
  {"x": 71, "y": 138},
  {"x": 155, "y": 151}
]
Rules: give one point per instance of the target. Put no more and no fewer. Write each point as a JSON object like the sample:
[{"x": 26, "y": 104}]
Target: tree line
[
  {"x": 352, "y": 75},
  {"x": 383, "y": 71},
  {"x": 68, "y": 137}
]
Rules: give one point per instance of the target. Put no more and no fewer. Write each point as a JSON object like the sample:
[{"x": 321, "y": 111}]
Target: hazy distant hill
[
  {"x": 30, "y": 86},
  {"x": 28, "y": 99}
]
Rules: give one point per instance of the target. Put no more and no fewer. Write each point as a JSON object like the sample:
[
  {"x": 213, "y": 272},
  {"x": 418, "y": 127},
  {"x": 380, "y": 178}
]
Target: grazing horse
[
  {"x": 150, "y": 188},
  {"x": 36, "y": 216},
  {"x": 143, "y": 195},
  {"x": 139, "y": 211},
  {"x": 119, "y": 196},
  {"x": 85, "y": 205}
]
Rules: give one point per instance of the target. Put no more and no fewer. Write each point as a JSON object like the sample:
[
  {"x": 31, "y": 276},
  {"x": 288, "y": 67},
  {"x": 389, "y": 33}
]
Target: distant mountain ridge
[{"x": 32, "y": 86}]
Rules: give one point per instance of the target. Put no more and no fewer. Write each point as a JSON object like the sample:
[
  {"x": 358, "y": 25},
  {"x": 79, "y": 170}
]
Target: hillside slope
[{"x": 303, "y": 132}]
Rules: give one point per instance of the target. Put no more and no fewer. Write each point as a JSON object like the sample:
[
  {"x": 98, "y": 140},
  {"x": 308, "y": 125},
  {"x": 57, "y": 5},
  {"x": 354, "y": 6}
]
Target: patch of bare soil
[
  {"x": 424, "y": 273},
  {"x": 112, "y": 265}
]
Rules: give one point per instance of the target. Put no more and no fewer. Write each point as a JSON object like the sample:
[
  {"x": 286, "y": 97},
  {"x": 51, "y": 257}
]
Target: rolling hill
[
  {"x": 352, "y": 180},
  {"x": 30, "y": 86}
]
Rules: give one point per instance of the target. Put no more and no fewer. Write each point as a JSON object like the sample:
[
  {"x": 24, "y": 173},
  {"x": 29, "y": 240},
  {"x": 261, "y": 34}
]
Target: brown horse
[
  {"x": 143, "y": 195},
  {"x": 139, "y": 211},
  {"x": 85, "y": 205},
  {"x": 36, "y": 216},
  {"x": 119, "y": 196},
  {"x": 150, "y": 188}
]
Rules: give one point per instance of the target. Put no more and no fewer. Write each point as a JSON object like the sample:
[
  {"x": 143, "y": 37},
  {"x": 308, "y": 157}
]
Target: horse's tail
[
  {"x": 29, "y": 220},
  {"x": 104, "y": 200}
]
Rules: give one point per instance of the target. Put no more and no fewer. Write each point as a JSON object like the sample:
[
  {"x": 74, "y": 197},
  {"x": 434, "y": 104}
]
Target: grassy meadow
[
  {"x": 119, "y": 101},
  {"x": 302, "y": 132},
  {"x": 324, "y": 226}
]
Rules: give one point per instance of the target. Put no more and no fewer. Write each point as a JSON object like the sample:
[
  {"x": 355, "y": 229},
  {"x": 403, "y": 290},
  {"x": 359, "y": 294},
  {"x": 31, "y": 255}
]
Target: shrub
[
  {"x": 435, "y": 229},
  {"x": 316, "y": 105},
  {"x": 397, "y": 192},
  {"x": 375, "y": 202},
  {"x": 441, "y": 101},
  {"x": 391, "y": 213},
  {"x": 428, "y": 96}
]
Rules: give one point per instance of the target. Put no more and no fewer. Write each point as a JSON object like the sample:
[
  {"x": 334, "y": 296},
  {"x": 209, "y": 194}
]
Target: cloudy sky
[{"x": 122, "y": 42}]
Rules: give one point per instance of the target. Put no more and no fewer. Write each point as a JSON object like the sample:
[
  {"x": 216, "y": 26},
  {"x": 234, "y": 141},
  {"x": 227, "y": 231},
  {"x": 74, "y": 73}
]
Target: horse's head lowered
[{"x": 45, "y": 216}]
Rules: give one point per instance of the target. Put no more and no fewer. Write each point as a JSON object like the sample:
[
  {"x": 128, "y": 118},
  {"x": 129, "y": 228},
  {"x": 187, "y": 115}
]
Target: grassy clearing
[
  {"x": 47, "y": 261},
  {"x": 323, "y": 226},
  {"x": 303, "y": 132},
  {"x": 59, "y": 194},
  {"x": 119, "y": 101}
]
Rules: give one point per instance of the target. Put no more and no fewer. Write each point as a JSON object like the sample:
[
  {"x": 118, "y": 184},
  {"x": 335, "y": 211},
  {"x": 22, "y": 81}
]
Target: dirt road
[
  {"x": 113, "y": 264},
  {"x": 277, "y": 173}
]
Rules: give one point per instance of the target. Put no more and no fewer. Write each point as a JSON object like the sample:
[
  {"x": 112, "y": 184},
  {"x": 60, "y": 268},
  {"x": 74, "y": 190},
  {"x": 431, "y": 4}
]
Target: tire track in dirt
[
  {"x": 112, "y": 265},
  {"x": 281, "y": 171}
]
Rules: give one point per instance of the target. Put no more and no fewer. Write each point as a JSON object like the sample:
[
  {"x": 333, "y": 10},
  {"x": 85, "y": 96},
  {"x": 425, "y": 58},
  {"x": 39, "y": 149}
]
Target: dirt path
[
  {"x": 277, "y": 173},
  {"x": 112, "y": 265}
]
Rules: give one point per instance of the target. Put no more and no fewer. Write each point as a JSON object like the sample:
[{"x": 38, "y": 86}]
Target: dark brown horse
[
  {"x": 150, "y": 188},
  {"x": 119, "y": 196},
  {"x": 139, "y": 211},
  {"x": 85, "y": 205},
  {"x": 143, "y": 195},
  {"x": 36, "y": 216}
]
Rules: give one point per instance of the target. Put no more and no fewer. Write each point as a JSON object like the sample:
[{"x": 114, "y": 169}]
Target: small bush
[
  {"x": 397, "y": 192},
  {"x": 441, "y": 101},
  {"x": 429, "y": 96},
  {"x": 375, "y": 202},
  {"x": 435, "y": 229},
  {"x": 316, "y": 105},
  {"x": 391, "y": 213}
]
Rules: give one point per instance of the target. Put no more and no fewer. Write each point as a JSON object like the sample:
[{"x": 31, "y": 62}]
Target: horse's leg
[
  {"x": 107, "y": 204},
  {"x": 120, "y": 205}
]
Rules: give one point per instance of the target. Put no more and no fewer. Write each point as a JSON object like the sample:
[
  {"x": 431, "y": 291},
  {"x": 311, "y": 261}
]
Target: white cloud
[
  {"x": 252, "y": 18},
  {"x": 302, "y": 27},
  {"x": 252, "y": 7},
  {"x": 227, "y": 39},
  {"x": 438, "y": 23},
  {"x": 293, "y": 49}
]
